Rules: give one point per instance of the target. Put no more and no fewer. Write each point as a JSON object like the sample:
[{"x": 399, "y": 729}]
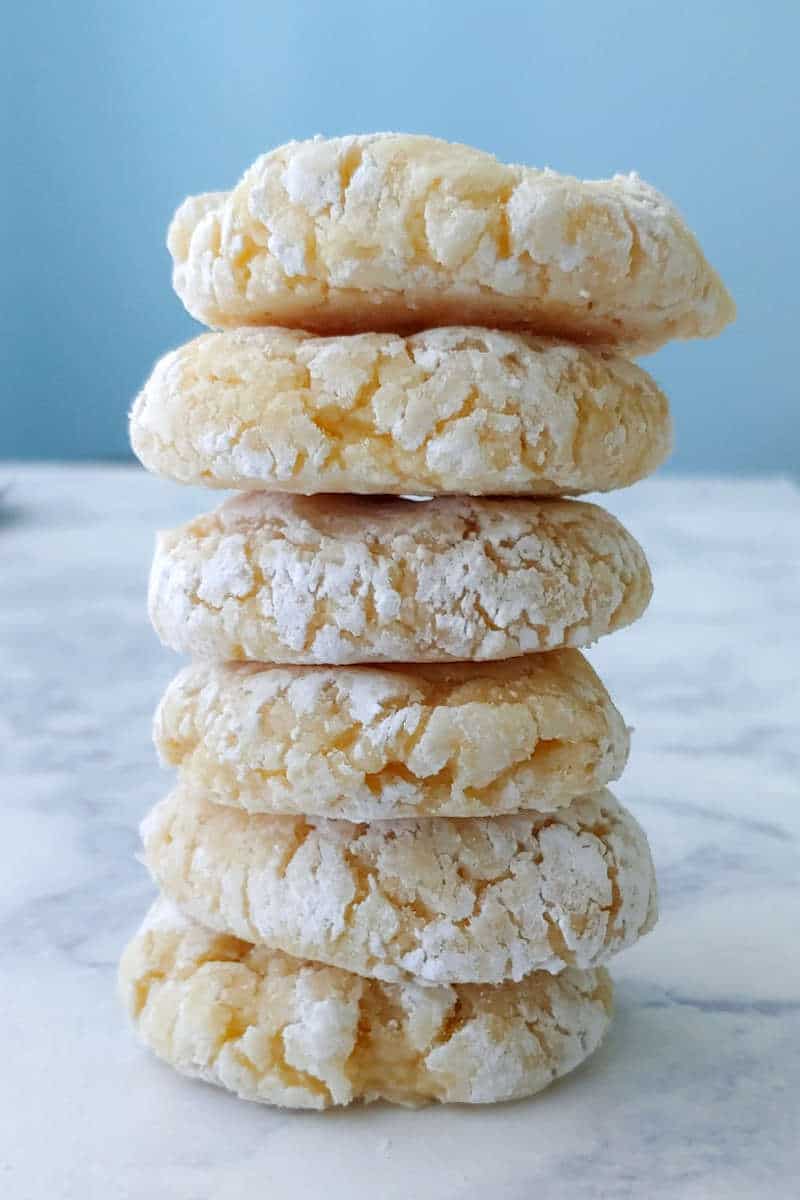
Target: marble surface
[{"x": 696, "y": 1092}]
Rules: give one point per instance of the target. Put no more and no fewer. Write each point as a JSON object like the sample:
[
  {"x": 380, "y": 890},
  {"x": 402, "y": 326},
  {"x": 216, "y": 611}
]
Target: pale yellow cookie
[
  {"x": 340, "y": 579},
  {"x": 362, "y": 743},
  {"x": 290, "y": 1032},
  {"x": 442, "y": 900},
  {"x": 394, "y": 232},
  {"x": 446, "y": 411}
]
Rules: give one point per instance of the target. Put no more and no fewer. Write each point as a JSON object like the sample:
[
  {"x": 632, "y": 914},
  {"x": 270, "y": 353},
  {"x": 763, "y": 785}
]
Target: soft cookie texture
[
  {"x": 446, "y": 411},
  {"x": 339, "y": 579},
  {"x": 362, "y": 743},
  {"x": 442, "y": 900},
  {"x": 392, "y": 232},
  {"x": 285, "y": 1031}
]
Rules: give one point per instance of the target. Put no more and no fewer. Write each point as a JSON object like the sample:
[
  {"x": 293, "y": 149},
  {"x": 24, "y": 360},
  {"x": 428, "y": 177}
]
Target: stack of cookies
[{"x": 391, "y": 867}]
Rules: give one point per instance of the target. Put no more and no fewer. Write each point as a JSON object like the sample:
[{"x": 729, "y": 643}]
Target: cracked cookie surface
[
  {"x": 340, "y": 579},
  {"x": 364, "y": 743},
  {"x": 456, "y": 410},
  {"x": 442, "y": 900},
  {"x": 396, "y": 232},
  {"x": 289, "y": 1032}
]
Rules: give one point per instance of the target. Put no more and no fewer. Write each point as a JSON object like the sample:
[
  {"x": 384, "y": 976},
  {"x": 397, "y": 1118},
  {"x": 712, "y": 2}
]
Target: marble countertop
[{"x": 696, "y": 1092}]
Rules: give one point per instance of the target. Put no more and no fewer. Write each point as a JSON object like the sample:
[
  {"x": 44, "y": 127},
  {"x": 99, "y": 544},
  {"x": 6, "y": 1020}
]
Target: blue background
[{"x": 114, "y": 111}]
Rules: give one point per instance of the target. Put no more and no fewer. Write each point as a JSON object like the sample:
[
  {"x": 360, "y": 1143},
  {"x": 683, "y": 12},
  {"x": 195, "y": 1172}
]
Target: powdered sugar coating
[
  {"x": 336, "y": 579},
  {"x": 477, "y": 900},
  {"x": 459, "y": 410},
  {"x": 295, "y": 1033},
  {"x": 394, "y": 232},
  {"x": 364, "y": 743}
]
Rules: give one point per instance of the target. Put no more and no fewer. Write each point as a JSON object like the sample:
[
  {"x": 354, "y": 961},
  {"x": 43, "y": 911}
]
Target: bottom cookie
[{"x": 295, "y": 1033}]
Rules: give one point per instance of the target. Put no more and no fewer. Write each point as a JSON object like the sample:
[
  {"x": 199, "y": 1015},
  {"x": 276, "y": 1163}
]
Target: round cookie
[
  {"x": 393, "y": 232},
  {"x": 442, "y": 900},
  {"x": 446, "y": 411},
  {"x": 340, "y": 579},
  {"x": 364, "y": 743},
  {"x": 290, "y": 1032}
]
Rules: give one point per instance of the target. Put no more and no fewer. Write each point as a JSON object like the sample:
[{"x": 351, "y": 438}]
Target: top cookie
[{"x": 393, "y": 232}]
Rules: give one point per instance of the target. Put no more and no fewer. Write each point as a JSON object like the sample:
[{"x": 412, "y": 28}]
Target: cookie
[
  {"x": 446, "y": 411},
  {"x": 443, "y": 900},
  {"x": 290, "y": 1032},
  {"x": 396, "y": 233},
  {"x": 364, "y": 743},
  {"x": 340, "y": 579}
]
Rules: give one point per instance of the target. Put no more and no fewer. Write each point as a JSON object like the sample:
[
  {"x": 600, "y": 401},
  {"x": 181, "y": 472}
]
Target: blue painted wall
[{"x": 113, "y": 111}]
